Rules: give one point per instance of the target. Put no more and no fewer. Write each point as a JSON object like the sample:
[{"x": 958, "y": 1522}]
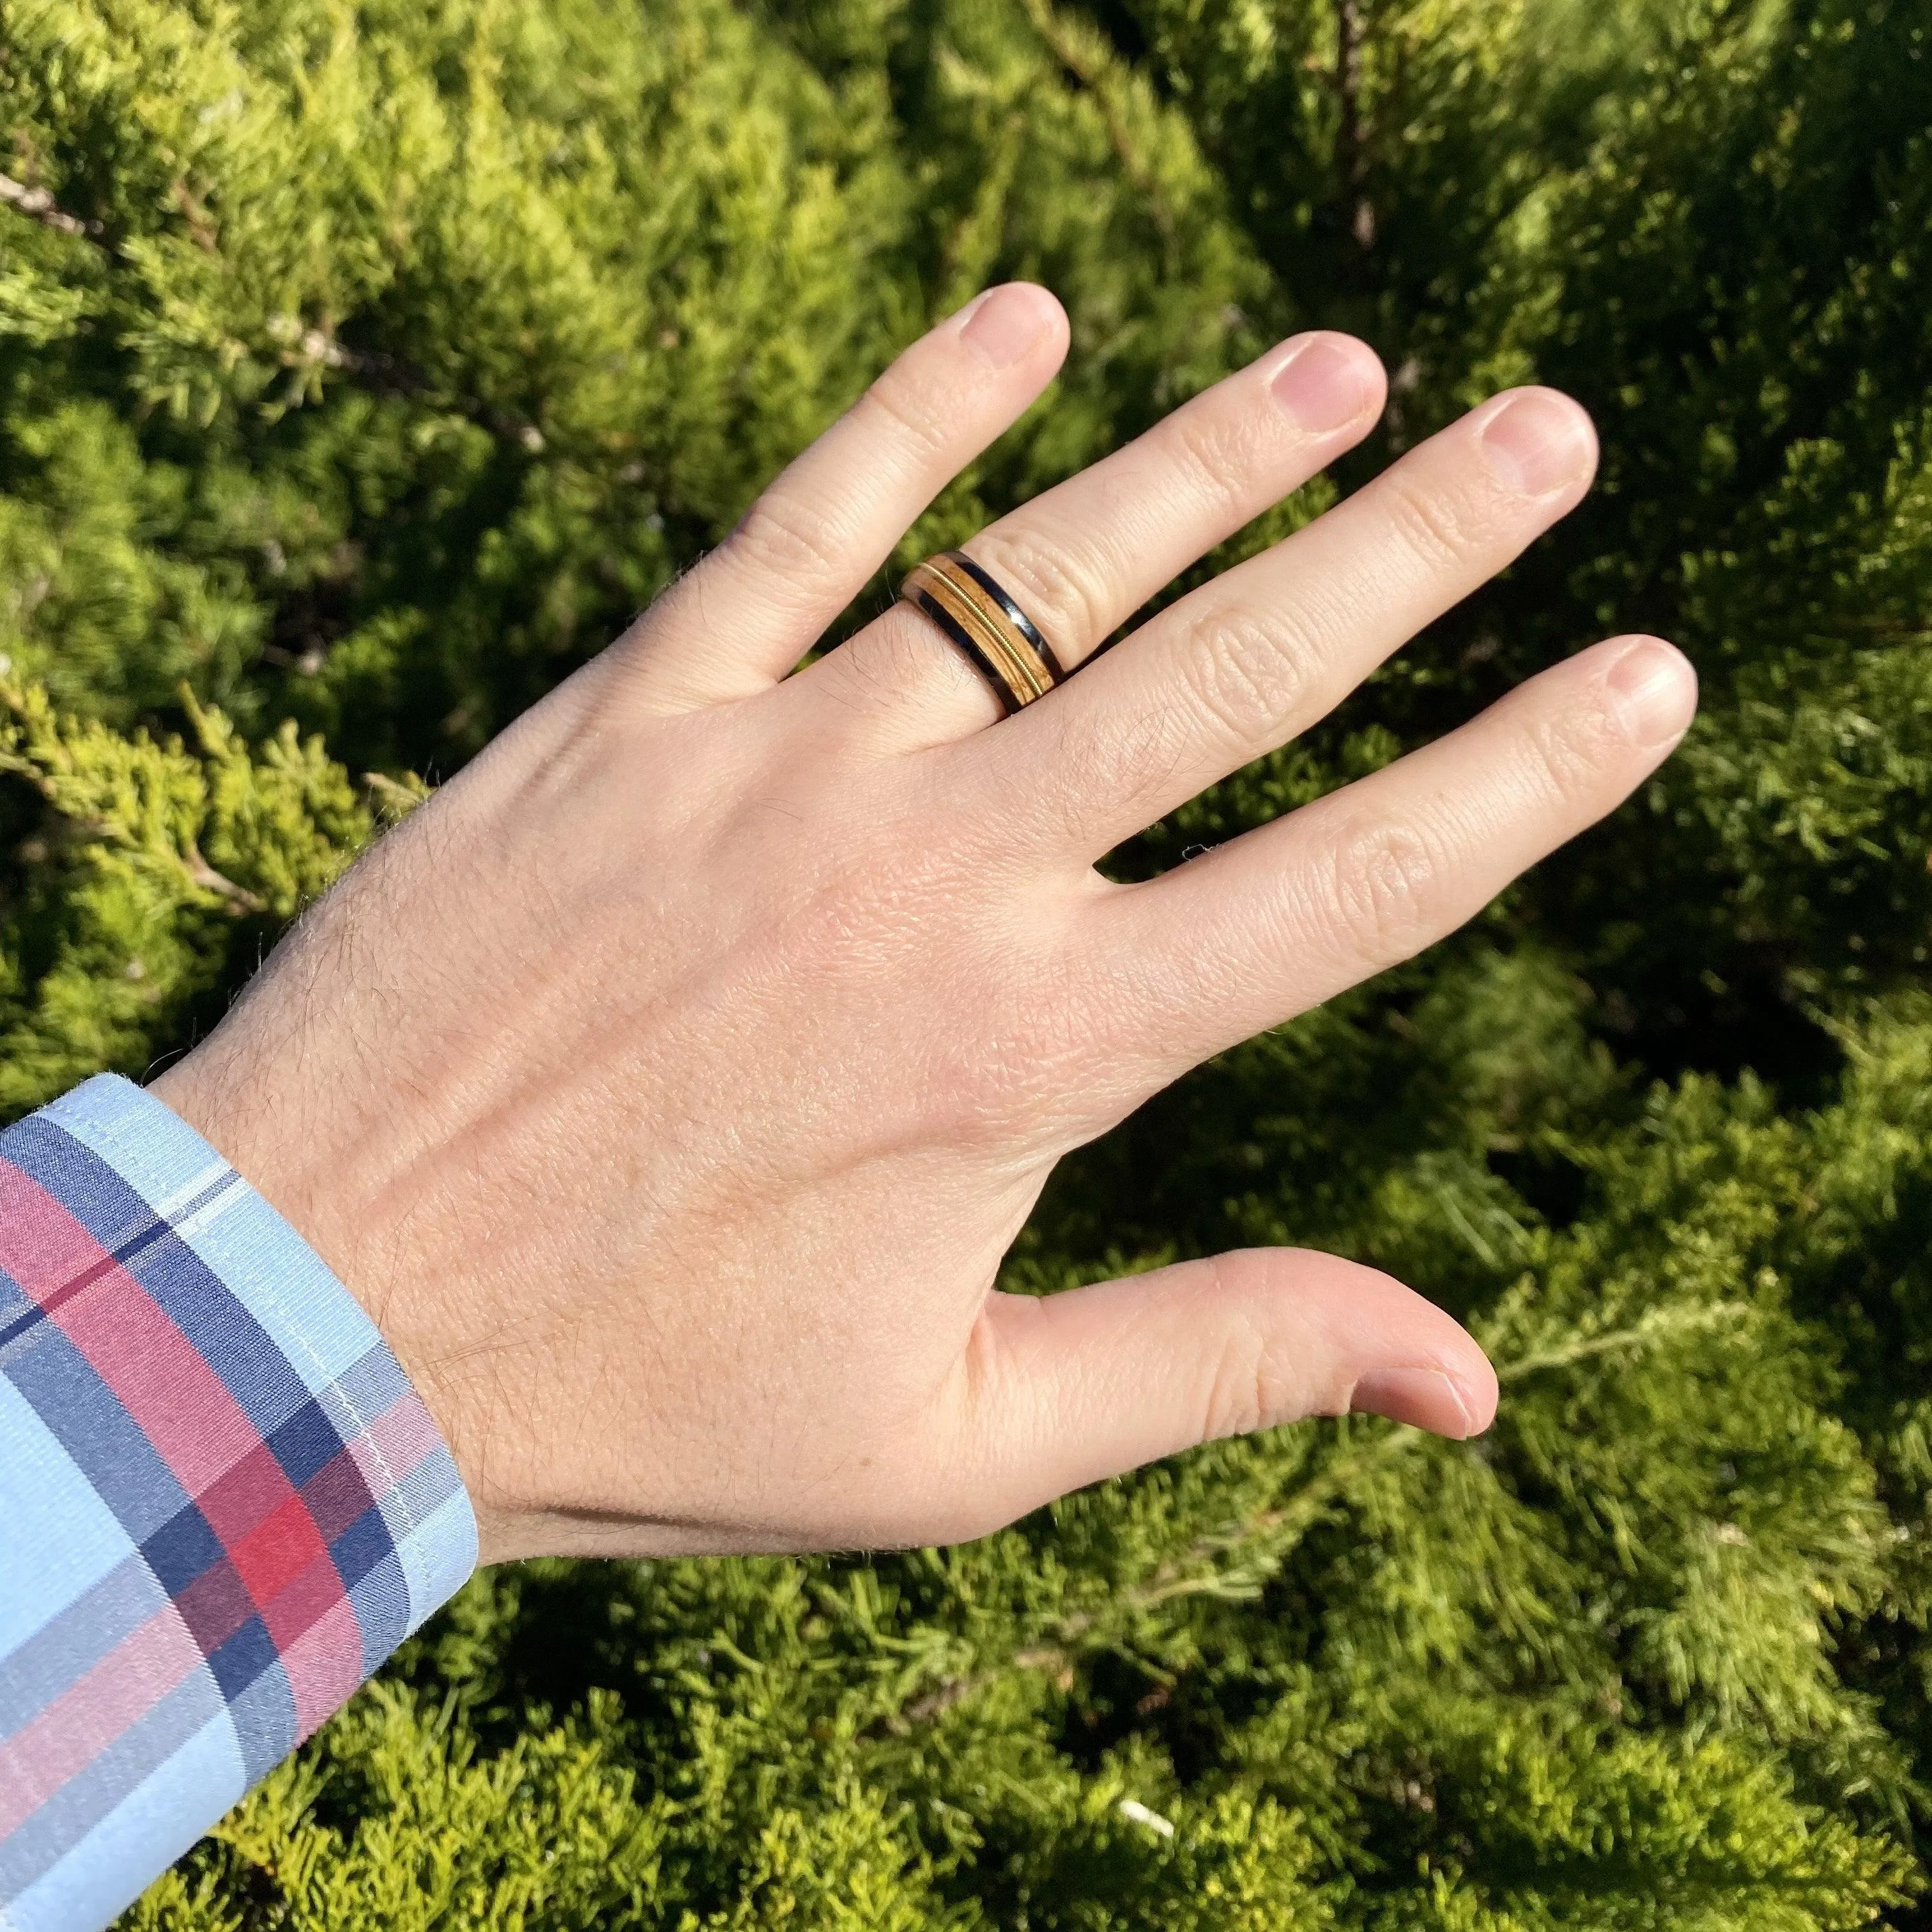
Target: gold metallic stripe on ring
[
  {"x": 925, "y": 586},
  {"x": 1018, "y": 665},
  {"x": 1039, "y": 673},
  {"x": 993, "y": 637}
]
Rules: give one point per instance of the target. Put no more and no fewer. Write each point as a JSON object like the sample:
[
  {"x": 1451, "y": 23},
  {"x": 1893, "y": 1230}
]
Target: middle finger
[{"x": 1243, "y": 665}]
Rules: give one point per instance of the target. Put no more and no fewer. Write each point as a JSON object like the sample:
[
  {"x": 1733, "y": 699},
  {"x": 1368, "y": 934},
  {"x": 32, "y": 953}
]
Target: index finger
[{"x": 750, "y": 610}]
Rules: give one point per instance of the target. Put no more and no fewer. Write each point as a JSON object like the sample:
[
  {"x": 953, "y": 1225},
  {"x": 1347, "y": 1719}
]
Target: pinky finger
[{"x": 1292, "y": 913}]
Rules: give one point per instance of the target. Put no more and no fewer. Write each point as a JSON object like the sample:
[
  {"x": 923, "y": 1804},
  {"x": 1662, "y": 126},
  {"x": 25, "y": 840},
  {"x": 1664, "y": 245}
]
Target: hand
[{"x": 669, "y": 1086}]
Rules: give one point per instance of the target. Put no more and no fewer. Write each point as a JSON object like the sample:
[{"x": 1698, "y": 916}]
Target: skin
[{"x": 670, "y": 1087}]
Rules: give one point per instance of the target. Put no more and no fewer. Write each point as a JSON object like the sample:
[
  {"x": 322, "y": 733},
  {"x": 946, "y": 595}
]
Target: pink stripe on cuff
[
  {"x": 95, "y": 1710},
  {"x": 324, "y": 1665}
]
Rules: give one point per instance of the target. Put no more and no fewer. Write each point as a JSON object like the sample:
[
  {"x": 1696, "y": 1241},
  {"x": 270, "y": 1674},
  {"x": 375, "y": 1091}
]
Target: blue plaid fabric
[{"x": 222, "y": 1505}]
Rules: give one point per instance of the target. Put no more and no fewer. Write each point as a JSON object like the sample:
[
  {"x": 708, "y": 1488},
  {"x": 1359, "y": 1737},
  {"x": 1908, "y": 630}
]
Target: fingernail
[
  {"x": 1539, "y": 441},
  {"x": 1655, "y": 691},
  {"x": 1006, "y": 321},
  {"x": 1323, "y": 386},
  {"x": 1427, "y": 1398}
]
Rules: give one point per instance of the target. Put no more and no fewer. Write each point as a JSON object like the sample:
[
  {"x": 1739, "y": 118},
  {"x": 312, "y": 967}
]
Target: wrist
[{"x": 330, "y": 1182}]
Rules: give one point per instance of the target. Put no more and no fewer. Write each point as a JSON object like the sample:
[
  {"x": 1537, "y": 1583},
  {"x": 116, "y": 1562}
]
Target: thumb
[{"x": 1068, "y": 1388}]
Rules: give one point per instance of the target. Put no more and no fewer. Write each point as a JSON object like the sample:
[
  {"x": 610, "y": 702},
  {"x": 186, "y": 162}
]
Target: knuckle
[
  {"x": 1426, "y": 520},
  {"x": 1126, "y": 754},
  {"x": 1059, "y": 585},
  {"x": 782, "y": 538},
  {"x": 1565, "y": 752},
  {"x": 1244, "y": 672},
  {"x": 1386, "y": 884},
  {"x": 911, "y": 411},
  {"x": 1216, "y": 451},
  {"x": 1248, "y": 1385}
]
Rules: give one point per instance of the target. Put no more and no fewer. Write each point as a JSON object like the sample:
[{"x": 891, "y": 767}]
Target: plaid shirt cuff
[{"x": 222, "y": 1505}]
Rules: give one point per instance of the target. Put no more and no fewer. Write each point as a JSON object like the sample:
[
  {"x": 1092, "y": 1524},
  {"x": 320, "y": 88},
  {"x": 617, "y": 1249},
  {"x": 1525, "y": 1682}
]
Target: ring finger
[
  {"x": 1289, "y": 914},
  {"x": 1082, "y": 557}
]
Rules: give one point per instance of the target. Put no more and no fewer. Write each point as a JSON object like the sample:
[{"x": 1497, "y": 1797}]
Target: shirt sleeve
[{"x": 222, "y": 1504}]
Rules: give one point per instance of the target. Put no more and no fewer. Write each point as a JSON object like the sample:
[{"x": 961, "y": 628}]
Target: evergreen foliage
[{"x": 364, "y": 366}]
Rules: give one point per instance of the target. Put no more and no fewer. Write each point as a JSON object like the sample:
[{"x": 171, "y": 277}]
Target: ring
[{"x": 971, "y": 608}]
